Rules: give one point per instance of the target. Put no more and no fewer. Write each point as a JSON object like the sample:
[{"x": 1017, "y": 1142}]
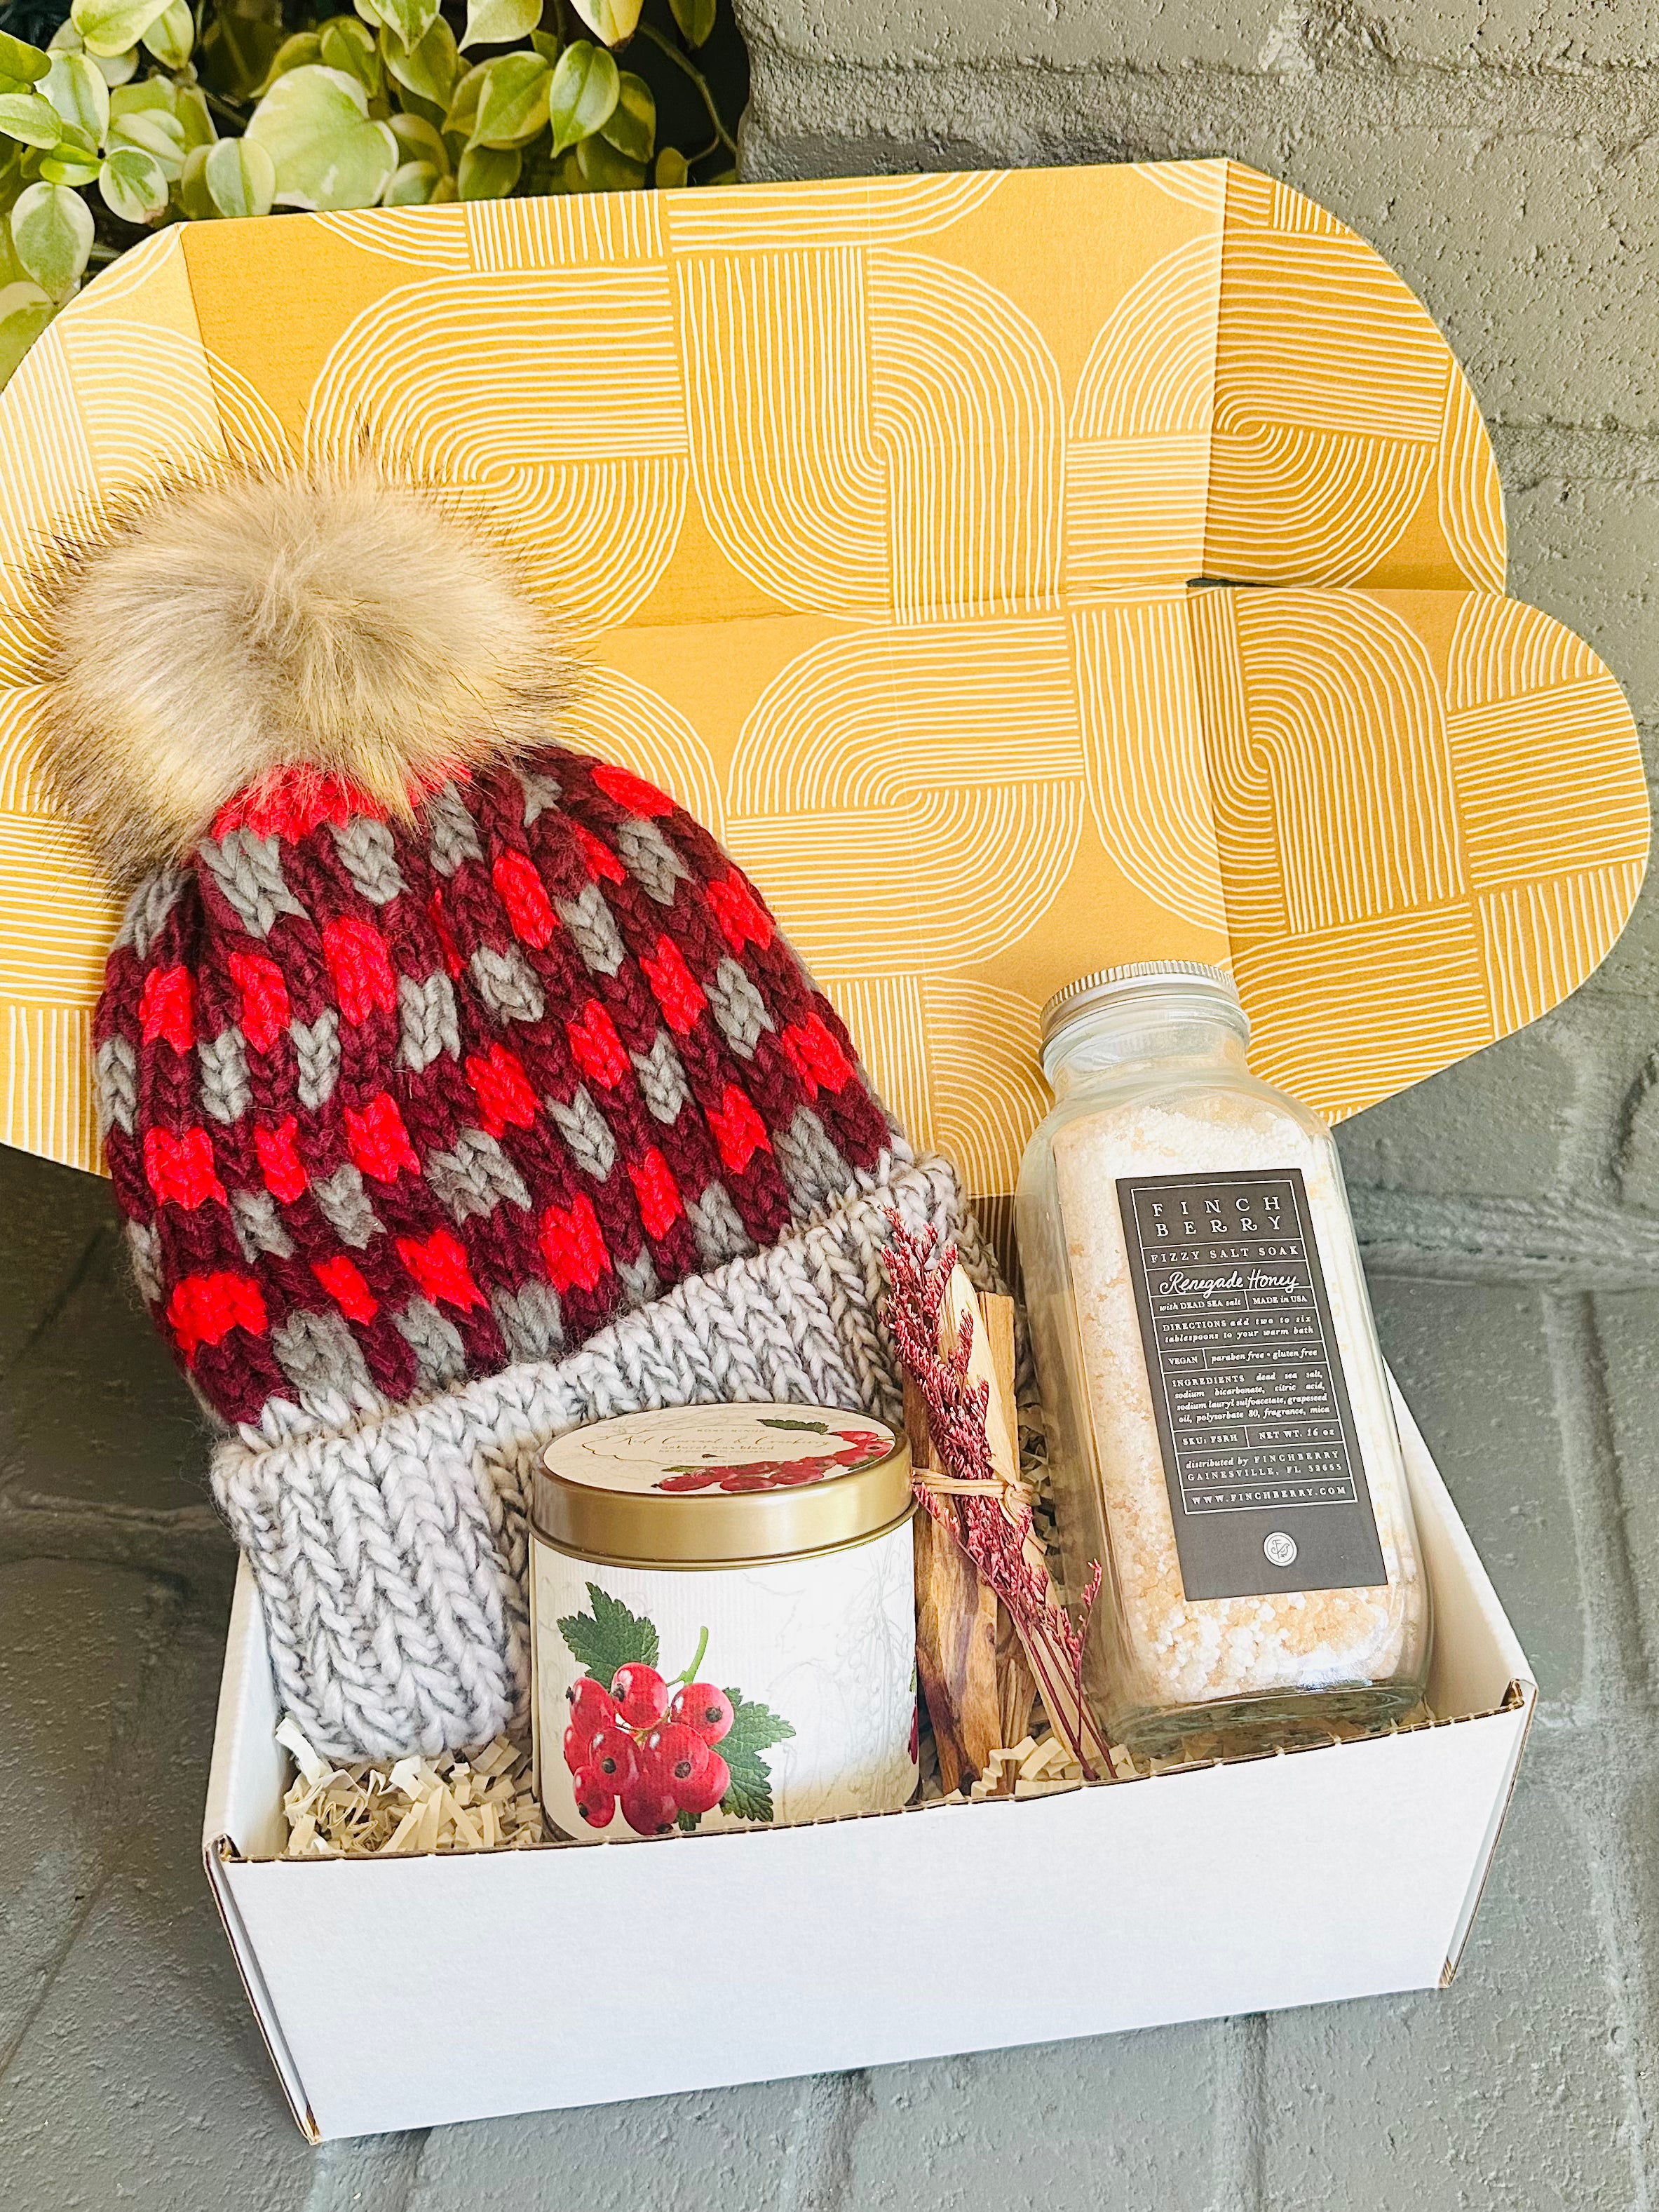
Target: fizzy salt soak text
[{"x": 1220, "y": 1425}]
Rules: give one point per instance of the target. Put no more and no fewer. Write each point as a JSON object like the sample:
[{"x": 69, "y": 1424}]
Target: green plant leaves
[
  {"x": 613, "y": 21},
  {"x": 194, "y": 198},
  {"x": 132, "y": 185},
  {"x": 418, "y": 141},
  {"x": 695, "y": 19},
  {"x": 344, "y": 43},
  {"x": 134, "y": 98},
  {"x": 51, "y": 236},
  {"x": 609, "y": 1637},
  {"x": 114, "y": 69},
  {"x": 236, "y": 53},
  {"x": 601, "y": 169},
  {"x": 410, "y": 19},
  {"x": 172, "y": 36},
  {"x": 25, "y": 311},
  {"x": 240, "y": 177},
  {"x": 755, "y": 1729},
  {"x": 110, "y": 26},
  {"x": 512, "y": 106},
  {"x": 156, "y": 131},
  {"x": 194, "y": 117},
  {"x": 585, "y": 87},
  {"x": 500, "y": 22},
  {"x": 428, "y": 68},
  {"x": 631, "y": 126},
  {"x": 25, "y": 62},
  {"x": 300, "y": 52},
  {"x": 462, "y": 115},
  {"x": 79, "y": 95},
  {"x": 487, "y": 173},
  {"x": 130, "y": 99},
  {"x": 69, "y": 165},
  {"x": 413, "y": 184},
  {"x": 315, "y": 125},
  {"x": 29, "y": 119}
]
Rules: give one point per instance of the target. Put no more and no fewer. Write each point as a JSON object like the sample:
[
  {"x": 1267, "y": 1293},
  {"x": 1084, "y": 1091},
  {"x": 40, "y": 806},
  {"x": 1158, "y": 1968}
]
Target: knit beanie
[{"x": 456, "y": 1088}]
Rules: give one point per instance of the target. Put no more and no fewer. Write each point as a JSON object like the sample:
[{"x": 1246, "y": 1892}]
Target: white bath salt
[
  {"x": 1173, "y": 1651},
  {"x": 1221, "y": 1436}
]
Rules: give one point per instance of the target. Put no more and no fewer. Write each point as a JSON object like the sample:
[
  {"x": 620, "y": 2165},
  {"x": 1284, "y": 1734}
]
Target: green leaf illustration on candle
[
  {"x": 755, "y": 1729},
  {"x": 609, "y": 1637}
]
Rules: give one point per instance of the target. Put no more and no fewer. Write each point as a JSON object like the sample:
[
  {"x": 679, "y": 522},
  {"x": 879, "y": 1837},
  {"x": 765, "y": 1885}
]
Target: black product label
[{"x": 1266, "y": 1483}]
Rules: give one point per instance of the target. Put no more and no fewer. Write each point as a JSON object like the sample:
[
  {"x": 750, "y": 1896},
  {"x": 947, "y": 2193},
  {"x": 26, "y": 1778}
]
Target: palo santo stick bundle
[
  {"x": 956, "y": 1624},
  {"x": 939, "y": 1330},
  {"x": 971, "y": 1658},
  {"x": 1016, "y": 1689}
]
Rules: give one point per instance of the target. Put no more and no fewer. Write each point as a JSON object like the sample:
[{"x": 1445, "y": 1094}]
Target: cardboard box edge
[
  {"x": 214, "y": 1855},
  {"x": 1424, "y": 1473},
  {"x": 1465, "y": 1926},
  {"x": 352, "y": 2119}
]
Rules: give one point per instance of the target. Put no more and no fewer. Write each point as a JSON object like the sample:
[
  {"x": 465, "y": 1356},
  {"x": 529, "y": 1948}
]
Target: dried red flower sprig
[{"x": 991, "y": 1519}]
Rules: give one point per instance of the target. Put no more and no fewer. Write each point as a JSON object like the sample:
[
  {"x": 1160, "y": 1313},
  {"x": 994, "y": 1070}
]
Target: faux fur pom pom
[{"x": 223, "y": 631}]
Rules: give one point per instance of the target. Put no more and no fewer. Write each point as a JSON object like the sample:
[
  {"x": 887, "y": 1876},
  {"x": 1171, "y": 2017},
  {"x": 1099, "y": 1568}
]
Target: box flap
[
  {"x": 243, "y": 1816},
  {"x": 218, "y": 1861},
  {"x": 248, "y": 1774},
  {"x": 878, "y": 545},
  {"x": 1478, "y": 1665},
  {"x": 1476, "y": 1655}
]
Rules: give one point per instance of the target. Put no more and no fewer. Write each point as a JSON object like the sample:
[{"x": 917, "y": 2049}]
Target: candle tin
[{"x": 723, "y": 1621}]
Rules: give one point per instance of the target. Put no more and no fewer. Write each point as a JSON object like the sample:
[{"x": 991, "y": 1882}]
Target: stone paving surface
[{"x": 1503, "y": 154}]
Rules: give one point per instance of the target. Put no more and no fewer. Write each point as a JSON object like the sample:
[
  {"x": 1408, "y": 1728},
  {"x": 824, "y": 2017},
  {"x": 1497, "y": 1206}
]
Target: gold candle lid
[{"x": 721, "y": 1485}]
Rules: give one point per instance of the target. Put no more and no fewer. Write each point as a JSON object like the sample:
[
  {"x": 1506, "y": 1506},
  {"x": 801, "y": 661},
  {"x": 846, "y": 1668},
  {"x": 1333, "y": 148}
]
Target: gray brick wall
[{"x": 1503, "y": 156}]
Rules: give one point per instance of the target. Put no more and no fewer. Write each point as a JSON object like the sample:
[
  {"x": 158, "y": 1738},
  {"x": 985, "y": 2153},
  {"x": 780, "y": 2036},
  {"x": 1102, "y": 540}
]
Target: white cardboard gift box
[{"x": 1343, "y": 1871}]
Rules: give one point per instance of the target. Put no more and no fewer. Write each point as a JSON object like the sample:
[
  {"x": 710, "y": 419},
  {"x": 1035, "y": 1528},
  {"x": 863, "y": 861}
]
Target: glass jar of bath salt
[{"x": 1220, "y": 1432}]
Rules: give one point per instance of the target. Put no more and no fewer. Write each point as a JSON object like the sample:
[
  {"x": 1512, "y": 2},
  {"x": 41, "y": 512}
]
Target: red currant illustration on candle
[
  {"x": 701, "y": 1706},
  {"x": 592, "y": 1706},
  {"x": 854, "y": 1447},
  {"x": 645, "y": 1745},
  {"x": 641, "y": 1696},
  {"x": 704, "y": 1791},
  {"x": 595, "y": 1801}
]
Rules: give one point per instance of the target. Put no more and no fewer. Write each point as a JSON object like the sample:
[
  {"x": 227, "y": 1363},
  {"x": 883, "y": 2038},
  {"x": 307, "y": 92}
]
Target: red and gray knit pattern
[{"x": 390, "y": 1106}]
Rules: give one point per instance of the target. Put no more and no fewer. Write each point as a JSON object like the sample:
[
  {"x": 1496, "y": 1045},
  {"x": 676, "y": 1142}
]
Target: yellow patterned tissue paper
[{"x": 915, "y": 531}]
